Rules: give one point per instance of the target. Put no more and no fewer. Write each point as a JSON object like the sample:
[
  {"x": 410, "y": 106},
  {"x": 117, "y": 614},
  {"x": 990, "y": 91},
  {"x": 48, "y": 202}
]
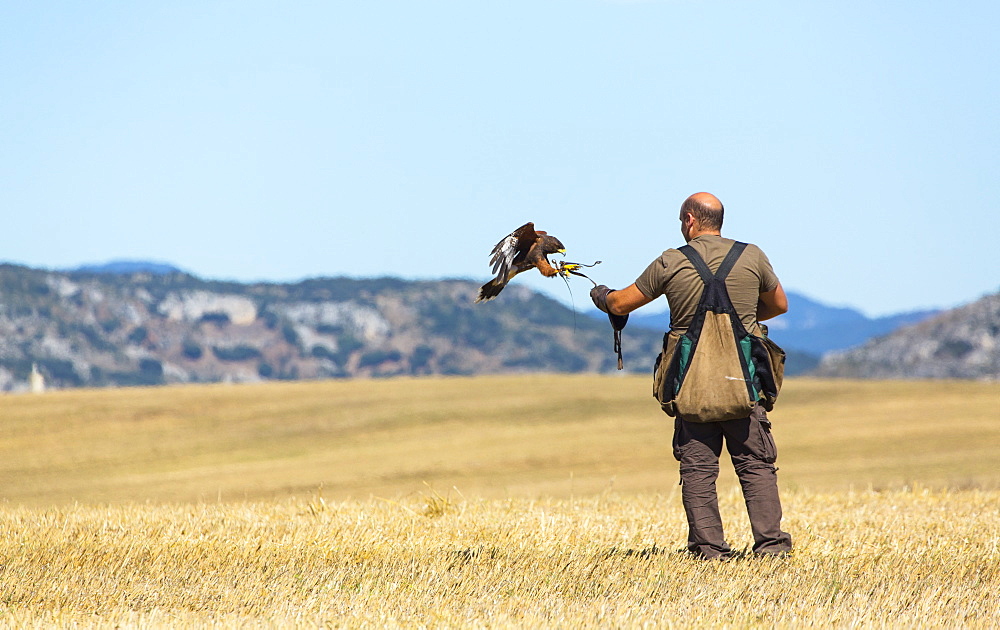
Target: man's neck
[{"x": 695, "y": 235}]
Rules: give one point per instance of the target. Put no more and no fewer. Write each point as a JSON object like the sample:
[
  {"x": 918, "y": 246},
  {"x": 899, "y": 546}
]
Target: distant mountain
[
  {"x": 959, "y": 343},
  {"x": 127, "y": 267},
  {"x": 816, "y": 328},
  {"x": 85, "y": 328},
  {"x": 137, "y": 323}
]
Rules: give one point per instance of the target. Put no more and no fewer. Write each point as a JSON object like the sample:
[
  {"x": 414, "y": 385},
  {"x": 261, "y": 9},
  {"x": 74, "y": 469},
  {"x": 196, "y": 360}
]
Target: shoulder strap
[
  {"x": 727, "y": 263},
  {"x": 730, "y": 260},
  {"x": 698, "y": 262}
]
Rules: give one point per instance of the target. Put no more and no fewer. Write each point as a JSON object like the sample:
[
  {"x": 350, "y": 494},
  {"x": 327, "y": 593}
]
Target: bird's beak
[{"x": 561, "y": 251}]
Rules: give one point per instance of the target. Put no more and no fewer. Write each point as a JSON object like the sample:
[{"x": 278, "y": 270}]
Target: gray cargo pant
[{"x": 697, "y": 446}]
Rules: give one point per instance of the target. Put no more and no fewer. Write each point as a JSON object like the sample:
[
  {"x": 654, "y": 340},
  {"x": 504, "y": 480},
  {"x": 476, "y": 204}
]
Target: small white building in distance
[{"x": 36, "y": 381}]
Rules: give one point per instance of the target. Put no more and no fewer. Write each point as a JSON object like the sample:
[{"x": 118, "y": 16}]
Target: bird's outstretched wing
[{"x": 513, "y": 248}]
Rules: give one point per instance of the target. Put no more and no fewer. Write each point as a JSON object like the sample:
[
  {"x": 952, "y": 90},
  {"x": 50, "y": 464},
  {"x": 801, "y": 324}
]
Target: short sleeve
[
  {"x": 768, "y": 279},
  {"x": 650, "y": 281}
]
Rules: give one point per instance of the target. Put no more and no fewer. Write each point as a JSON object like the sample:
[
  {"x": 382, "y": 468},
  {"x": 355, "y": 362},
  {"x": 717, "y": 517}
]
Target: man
[{"x": 757, "y": 295}]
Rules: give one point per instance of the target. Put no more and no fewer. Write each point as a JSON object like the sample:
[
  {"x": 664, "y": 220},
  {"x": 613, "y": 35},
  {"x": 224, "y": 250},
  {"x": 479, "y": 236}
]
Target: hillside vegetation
[
  {"x": 92, "y": 329},
  {"x": 89, "y": 329},
  {"x": 545, "y": 501}
]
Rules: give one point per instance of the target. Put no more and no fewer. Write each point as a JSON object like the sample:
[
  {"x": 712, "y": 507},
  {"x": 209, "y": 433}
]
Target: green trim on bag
[
  {"x": 684, "y": 345},
  {"x": 746, "y": 346}
]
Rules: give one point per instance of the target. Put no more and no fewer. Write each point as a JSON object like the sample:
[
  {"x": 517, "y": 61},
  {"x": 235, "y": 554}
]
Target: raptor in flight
[{"x": 519, "y": 251}]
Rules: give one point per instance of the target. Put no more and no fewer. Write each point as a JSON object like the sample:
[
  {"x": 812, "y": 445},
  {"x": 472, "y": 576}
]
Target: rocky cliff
[{"x": 960, "y": 343}]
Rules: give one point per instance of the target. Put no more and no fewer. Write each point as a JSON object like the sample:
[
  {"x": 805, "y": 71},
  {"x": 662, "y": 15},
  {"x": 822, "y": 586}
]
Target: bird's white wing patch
[{"x": 503, "y": 256}]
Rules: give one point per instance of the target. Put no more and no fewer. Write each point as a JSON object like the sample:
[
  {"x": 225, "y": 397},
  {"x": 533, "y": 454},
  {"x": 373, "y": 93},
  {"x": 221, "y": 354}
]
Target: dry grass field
[{"x": 485, "y": 502}]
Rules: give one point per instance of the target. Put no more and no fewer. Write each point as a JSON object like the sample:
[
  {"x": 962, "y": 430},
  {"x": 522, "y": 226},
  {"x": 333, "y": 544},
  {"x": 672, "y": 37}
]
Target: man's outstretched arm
[{"x": 620, "y": 302}]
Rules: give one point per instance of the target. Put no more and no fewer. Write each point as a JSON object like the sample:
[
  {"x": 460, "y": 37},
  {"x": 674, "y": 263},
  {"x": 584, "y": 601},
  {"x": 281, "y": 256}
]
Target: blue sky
[{"x": 856, "y": 142}]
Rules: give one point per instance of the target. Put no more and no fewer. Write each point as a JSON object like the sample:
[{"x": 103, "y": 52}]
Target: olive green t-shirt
[{"x": 673, "y": 275}]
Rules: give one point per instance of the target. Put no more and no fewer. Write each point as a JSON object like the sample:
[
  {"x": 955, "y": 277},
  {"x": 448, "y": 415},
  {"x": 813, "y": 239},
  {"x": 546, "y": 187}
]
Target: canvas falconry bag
[{"x": 716, "y": 370}]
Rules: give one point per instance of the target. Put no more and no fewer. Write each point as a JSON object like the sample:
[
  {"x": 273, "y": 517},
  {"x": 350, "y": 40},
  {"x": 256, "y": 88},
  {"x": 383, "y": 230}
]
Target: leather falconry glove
[{"x": 599, "y": 295}]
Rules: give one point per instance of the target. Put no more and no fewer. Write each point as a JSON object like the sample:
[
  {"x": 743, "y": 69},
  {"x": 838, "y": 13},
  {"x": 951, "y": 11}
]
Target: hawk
[{"x": 521, "y": 250}]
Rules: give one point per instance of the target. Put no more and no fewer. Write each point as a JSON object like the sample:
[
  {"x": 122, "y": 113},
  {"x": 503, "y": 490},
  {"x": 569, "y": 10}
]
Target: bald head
[{"x": 706, "y": 209}]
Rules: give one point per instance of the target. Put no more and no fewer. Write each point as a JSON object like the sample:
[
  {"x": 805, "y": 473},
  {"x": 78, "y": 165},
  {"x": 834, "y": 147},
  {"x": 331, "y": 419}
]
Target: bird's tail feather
[{"x": 489, "y": 291}]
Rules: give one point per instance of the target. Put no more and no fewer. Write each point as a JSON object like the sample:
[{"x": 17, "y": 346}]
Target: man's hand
[{"x": 599, "y": 295}]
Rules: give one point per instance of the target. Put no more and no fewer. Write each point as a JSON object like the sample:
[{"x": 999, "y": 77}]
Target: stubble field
[{"x": 485, "y": 502}]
